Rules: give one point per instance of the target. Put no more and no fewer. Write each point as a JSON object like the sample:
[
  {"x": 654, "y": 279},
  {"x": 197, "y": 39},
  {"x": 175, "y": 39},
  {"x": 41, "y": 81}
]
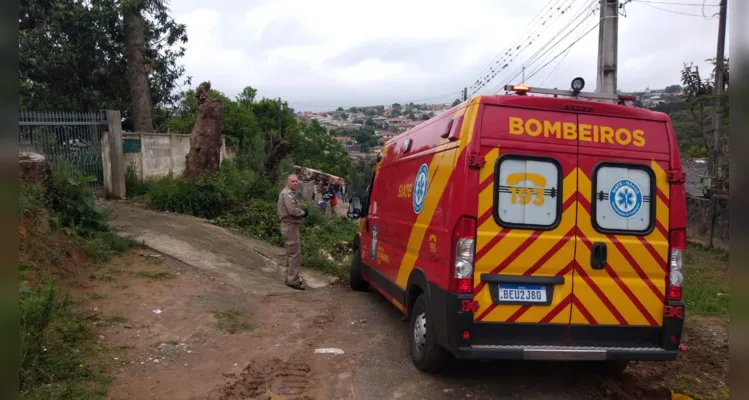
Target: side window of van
[
  {"x": 623, "y": 199},
  {"x": 528, "y": 195}
]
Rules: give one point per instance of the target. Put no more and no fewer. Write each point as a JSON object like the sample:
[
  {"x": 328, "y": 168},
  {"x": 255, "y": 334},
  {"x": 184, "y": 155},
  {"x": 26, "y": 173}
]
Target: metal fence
[{"x": 72, "y": 136}]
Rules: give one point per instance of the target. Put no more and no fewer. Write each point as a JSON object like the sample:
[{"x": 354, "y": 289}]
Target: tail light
[
  {"x": 678, "y": 242},
  {"x": 464, "y": 243}
]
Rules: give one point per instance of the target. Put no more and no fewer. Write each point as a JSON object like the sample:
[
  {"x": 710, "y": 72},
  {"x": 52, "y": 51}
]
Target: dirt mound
[{"x": 289, "y": 380}]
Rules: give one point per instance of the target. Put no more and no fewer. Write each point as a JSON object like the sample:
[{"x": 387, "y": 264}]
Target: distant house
[{"x": 694, "y": 168}]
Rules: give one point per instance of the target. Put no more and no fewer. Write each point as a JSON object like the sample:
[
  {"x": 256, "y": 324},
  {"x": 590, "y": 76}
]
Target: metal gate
[{"x": 72, "y": 136}]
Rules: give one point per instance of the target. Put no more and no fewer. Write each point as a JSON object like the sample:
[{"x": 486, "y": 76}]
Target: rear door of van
[
  {"x": 622, "y": 237},
  {"x": 525, "y": 247}
]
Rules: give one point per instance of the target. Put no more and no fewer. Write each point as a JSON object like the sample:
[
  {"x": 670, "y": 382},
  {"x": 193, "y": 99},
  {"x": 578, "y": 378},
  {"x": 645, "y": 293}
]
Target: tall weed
[
  {"x": 55, "y": 344},
  {"x": 72, "y": 201},
  {"x": 134, "y": 186}
]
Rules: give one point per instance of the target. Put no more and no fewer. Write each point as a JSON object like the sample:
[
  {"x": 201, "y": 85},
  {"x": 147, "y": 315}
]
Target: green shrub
[
  {"x": 72, "y": 201},
  {"x": 134, "y": 186},
  {"x": 257, "y": 218},
  {"x": 208, "y": 196}
]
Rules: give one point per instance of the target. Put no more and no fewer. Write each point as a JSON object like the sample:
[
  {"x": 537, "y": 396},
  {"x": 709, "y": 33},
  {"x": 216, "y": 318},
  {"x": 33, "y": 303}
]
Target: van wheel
[
  {"x": 356, "y": 280},
  {"x": 426, "y": 354}
]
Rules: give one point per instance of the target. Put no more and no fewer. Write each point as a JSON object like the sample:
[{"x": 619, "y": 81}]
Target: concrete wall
[
  {"x": 698, "y": 220},
  {"x": 162, "y": 154}
]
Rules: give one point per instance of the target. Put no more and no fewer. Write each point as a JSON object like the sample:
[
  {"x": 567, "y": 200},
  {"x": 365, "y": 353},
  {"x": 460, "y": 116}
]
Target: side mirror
[{"x": 354, "y": 207}]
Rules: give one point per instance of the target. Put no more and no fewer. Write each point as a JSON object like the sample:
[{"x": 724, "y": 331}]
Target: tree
[
  {"x": 278, "y": 125},
  {"x": 456, "y": 102},
  {"x": 344, "y": 116},
  {"x": 134, "y": 34},
  {"x": 412, "y": 117},
  {"x": 369, "y": 122},
  {"x": 72, "y": 57},
  {"x": 315, "y": 148},
  {"x": 395, "y": 113},
  {"x": 672, "y": 89},
  {"x": 700, "y": 97},
  {"x": 425, "y": 117},
  {"x": 247, "y": 96},
  {"x": 352, "y": 109},
  {"x": 396, "y": 105},
  {"x": 340, "y": 109}
]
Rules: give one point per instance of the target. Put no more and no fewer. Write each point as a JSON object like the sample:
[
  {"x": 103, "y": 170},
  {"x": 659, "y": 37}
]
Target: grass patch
[
  {"x": 56, "y": 343},
  {"x": 706, "y": 281},
  {"x": 157, "y": 275},
  {"x": 232, "y": 320},
  {"x": 103, "y": 246}
]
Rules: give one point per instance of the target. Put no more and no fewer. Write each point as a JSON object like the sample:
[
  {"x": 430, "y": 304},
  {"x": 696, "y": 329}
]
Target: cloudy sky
[{"x": 317, "y": 54}]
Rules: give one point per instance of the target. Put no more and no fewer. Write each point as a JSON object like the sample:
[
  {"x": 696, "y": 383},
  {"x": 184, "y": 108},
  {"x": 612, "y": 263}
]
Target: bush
[
  {"x": 134, "y": 186},
  {"x": 208, "y": 196},
  {"x": 72, "y": 202},
  {"x": 258, "y": 219}
]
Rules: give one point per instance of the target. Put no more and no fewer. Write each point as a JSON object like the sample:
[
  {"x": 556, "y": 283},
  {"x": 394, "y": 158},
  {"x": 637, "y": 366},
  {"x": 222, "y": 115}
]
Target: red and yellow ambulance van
[{"x": 525, "y": 226}]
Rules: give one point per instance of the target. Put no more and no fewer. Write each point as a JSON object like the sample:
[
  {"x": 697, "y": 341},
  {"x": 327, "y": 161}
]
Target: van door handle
[{"x": 598, "y": 255}]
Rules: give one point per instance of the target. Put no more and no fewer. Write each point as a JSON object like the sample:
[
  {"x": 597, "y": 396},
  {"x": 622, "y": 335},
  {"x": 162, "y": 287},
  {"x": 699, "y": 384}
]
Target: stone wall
[
  {"x": 698, "y": 221},
  {"x": 156, "y": 155}
]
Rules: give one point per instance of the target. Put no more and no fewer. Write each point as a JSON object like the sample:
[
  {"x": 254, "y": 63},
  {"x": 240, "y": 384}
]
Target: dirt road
[{"x": 179, "y": 331}]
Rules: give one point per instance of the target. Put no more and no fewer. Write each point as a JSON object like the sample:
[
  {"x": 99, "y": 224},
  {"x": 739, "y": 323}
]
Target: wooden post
[{"x": 116, "y": 155}]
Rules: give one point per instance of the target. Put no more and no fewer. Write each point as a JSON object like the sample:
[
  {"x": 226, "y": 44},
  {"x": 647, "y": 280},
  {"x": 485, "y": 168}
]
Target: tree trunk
[
  {"x": 134, "y": 32},
  {"x": 278, "y": 148},
  {"x": 205, "y": 139}
]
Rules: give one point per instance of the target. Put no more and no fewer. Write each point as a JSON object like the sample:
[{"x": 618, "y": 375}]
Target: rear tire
[
  {"x": 356, "y": 280},
  {"x": 426, "y": 354}
]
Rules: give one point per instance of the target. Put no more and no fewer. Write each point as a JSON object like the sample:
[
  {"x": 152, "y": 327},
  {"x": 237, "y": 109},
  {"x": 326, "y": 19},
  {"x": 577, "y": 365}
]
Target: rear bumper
[
  {"x": 514, "y": 341},
  {"x": 562, "y": 353}
]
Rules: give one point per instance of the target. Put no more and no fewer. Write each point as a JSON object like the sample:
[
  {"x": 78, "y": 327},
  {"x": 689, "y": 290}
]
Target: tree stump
[{"x": 205, "y": 139}]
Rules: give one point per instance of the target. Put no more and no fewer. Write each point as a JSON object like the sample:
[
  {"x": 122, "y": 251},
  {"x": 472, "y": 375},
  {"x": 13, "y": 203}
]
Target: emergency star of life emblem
[
  {"x": 625, "y": 198},
  {"x": 421, "y": 184}
]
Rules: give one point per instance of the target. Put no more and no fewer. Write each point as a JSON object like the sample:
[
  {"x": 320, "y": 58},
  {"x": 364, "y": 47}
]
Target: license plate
[{"x": 522, "y": 293}]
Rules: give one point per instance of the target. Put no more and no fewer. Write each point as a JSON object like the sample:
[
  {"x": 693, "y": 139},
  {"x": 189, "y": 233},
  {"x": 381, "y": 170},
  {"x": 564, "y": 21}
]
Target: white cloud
[{"x": 349, "y": 53}]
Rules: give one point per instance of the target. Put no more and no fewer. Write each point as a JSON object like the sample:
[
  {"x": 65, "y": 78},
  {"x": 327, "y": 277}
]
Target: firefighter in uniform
[{"x": 291, "y": 215}]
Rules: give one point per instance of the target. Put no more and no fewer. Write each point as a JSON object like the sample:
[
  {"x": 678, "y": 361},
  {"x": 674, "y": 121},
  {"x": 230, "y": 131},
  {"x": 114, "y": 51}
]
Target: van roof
[{"x": 559, "y": 104}]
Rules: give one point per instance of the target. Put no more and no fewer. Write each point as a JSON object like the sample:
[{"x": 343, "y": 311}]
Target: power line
[
  {"x": 500, "y": 57},
  {"x": 567, "y": 48},
  {"x": 509, "y": 57},
  {"x": 677, "y": 3},
  {"x": 667, "y": 10},
  {"x": 543, "y": 50},
  {"x": 546, "y": 49},
  {"x": 559, "y": 64}
]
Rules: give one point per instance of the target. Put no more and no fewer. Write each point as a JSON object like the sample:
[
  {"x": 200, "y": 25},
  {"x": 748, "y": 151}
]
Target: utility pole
[
  {"x": 714, "y": 159},
  {"x": 465, "y": 93},
  {"x": 719, "y": 86},
  {"x": 608, "y": 33},
  {"x": 523, "y": 81}
]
